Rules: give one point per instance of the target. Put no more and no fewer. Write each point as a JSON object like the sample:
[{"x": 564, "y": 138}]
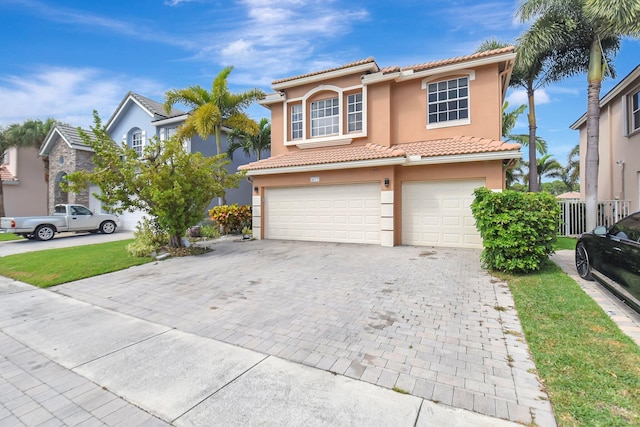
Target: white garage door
[
  {"x": 438, "y": 213},
  {"x": 330, "y": 213}
]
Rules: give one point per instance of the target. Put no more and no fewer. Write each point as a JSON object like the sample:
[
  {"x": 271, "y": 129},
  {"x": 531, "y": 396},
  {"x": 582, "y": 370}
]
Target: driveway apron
[{"x": 427, "y": 321}]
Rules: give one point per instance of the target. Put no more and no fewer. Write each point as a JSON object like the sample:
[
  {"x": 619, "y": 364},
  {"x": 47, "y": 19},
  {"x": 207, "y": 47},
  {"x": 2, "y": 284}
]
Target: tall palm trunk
[
  {"x": 1, "y": 199},
  {"x": 592, "y": 157},
  {"x": 533, "y": 170},
  {"x": 222, "y": 200}
]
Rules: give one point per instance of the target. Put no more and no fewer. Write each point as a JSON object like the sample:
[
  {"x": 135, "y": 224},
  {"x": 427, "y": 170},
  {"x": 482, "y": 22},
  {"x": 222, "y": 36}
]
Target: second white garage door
[
  {"x": 438, "y": 213},
  {"x": 330, "y": 213}
]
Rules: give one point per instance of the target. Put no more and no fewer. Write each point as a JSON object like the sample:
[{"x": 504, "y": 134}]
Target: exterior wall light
[
  {"x": 386, "y": 182},
  {"x": 255, "y": 190}
]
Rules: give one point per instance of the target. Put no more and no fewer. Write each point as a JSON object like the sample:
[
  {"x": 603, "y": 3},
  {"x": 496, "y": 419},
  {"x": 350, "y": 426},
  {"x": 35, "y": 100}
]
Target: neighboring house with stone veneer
[
  {"x": 67, "y": 153},
  {"x": 23, "y": 185},
  {"x": 136, "y": 120},
  {"x": 364, "y": 154}
]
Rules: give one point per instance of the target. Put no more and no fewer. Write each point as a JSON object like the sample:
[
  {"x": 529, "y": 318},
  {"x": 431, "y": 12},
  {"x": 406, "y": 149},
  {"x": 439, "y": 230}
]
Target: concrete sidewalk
[
  {"x": 61, "y": 240},
  {"x": 67, "y": 362}
]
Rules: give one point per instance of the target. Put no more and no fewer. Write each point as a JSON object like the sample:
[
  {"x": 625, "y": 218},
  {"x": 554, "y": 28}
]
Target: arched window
[{"x": 136, "y": 140}]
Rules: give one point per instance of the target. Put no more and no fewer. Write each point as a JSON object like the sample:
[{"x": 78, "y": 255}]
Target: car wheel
[
  {"x": 44, "y": 232},
  {"x": 582, "y": 262},
  {"x": 107, "y": 227}
]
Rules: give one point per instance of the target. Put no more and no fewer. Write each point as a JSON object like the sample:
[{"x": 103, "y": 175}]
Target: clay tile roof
[
  {"x": 440, "y": 63},
  {"x": 326, "y": 156},
  {"x": 391, "y": 69},
  {"x": 156, "y": 108},
  {"x": 455, "y": 146},
  {"x": 5, "y": 175},
  {"x": 315, "y": 73}
]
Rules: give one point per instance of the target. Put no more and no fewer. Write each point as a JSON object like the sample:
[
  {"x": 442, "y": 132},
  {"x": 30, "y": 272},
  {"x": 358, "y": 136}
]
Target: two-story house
[
  {"x": 135, "y": 121},
  {"x": 384, "y": 156},
  {"x": 22, "y": 179},
  {"x": 619, "y": 143}
]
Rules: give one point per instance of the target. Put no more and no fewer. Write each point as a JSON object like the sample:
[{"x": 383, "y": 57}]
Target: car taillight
[{"x": 13, "y": 223}]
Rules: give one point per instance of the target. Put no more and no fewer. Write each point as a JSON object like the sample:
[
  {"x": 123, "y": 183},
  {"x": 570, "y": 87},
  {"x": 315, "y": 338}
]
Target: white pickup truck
[{"x": 64, "y": 218}]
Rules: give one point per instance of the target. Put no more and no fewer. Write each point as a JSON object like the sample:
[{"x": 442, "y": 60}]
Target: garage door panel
[
  {"x": 438, "y": 213},
  {"x": 335, "y": 213}
]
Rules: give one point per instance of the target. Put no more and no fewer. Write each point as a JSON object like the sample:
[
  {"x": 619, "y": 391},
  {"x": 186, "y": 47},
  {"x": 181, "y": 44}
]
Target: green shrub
[
  {"x": 231, "y": 218},
  {"x": 518, "y": 229},
  {"x": 209, "y": 229},
  {"x": 149, "y": 237}
]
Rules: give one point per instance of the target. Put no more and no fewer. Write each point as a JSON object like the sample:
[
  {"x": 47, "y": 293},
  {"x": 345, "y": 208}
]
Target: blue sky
[{"x": 64, "y": 58}]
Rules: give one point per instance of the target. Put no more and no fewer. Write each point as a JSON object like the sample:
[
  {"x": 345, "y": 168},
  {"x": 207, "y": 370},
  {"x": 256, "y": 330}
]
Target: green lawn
[
  {"x": 5, "y": 237},
  {"x": 55, "y": 266},
  {"x": 590, "y": 368},
  {"x": 565, "y": 243}
]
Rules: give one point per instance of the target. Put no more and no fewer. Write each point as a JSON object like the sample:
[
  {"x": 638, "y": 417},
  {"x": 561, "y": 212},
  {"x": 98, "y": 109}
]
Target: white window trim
[
  {"x": 628, "y": 115},
  {"x": 471, "y": 75},
  {"x": 301, "y": 121},
  {"x": 342, "y": 138}
]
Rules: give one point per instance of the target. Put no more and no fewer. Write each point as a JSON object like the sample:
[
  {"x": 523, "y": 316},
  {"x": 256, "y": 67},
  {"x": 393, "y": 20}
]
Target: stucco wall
[
  {"x": 615, "y": 181},
  {"x": 489, "y": 171},
  {"x": 27, "y": 196}
]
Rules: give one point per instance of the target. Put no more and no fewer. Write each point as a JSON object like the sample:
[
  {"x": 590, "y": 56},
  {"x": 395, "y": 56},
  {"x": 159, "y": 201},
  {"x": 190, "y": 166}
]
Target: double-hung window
[
  {"x": 635, "y": 112},
  {"x": 448, "y": 101},
  {"x": 325, "y": 117},
  {"x": 296, "y": 121},
  {"x": 354, "y": 112}
]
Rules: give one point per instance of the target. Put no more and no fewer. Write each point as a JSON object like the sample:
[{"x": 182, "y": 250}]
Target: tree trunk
[
  {"x": 222, "y": 200},
  {"x": 592, "y": 157},
  {"x": 175, "y": 241},
  {"x": 533, "y": 164}
]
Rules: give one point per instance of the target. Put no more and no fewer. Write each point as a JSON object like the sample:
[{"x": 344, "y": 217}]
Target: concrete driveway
[{"x": 427, "y": 321}]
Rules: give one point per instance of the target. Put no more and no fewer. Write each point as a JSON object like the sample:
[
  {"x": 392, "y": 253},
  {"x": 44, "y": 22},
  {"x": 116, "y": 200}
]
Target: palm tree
[
  {"x": 509, "y": 119},
  {"x": 582, "y": 36},
  {"x": 215, "y": 109},
  {"x": 32, "y": 133},
  {"x": 547, "y": 166},
  {"x": 530, "y": 75},
  {"x": 250, "y": 143}
]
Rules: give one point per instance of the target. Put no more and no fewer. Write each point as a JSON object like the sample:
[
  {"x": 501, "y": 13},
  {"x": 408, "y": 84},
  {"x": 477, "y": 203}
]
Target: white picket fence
[{"x": 573, "y": 219}]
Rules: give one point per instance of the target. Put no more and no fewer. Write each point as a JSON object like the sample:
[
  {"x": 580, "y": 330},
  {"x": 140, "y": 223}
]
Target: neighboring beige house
[
  {"x": 385, "y": 156},
  {"x": 619, "y": 171},
  {"x": 23, "y": 184}
]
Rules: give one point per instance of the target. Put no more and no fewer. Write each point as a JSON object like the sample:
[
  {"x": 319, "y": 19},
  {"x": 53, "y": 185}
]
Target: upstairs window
[
  {"x": 325, "y": 117},
  {"x": 137, "y": 142},
  {"x": 296, "y": 121},
  {"x": 448, "y": 101},
  {"x": 635, "y": 112},
  {"x": 354, "y": 112}
]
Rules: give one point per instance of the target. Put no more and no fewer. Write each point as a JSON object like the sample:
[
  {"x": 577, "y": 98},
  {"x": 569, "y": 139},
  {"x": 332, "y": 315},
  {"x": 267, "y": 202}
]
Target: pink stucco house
[
  {"x": 23, "y": 183},
  {"x": 384, "y": 156}
]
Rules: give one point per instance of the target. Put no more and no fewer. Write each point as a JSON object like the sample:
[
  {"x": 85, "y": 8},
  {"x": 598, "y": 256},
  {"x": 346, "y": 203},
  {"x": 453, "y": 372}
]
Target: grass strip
[
  {"x": 590, "y": 368},
  {"x": 55, "y": 266},
  {"x": 564, "y": 242},
  {"x": 5, "y": 237}
]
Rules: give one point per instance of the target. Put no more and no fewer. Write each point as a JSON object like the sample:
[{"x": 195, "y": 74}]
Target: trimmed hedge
[{"x": 518, "y": 229}]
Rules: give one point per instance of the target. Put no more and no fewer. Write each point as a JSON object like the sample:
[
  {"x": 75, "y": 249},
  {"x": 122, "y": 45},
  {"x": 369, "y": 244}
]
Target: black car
[{"x": 612, "y": 257}]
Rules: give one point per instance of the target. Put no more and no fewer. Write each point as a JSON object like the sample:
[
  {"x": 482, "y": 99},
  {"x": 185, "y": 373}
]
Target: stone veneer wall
[{"x": 72, "y": 160}]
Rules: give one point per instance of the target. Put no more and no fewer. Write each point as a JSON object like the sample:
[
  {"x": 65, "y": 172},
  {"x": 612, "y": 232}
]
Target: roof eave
[
  {"x": 387, "y": 161},
  {"x": 444, "y": 69},
  {"x": 362, "y": 68},
  {"x": 464, "y": 158}
]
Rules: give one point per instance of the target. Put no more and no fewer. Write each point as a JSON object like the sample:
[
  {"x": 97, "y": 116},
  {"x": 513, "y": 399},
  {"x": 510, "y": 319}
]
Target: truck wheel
[
  {"x": 107, "y": 227},
  {"x": 44, "y": 232}
]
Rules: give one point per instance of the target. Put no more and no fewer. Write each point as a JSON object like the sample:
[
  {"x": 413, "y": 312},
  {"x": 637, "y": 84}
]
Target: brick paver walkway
[{"x": 427, "y": 321}]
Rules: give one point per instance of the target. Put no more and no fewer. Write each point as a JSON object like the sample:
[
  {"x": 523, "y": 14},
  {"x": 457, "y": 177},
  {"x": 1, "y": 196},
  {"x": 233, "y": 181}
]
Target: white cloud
[
  {"x": 519, "y": 97},
  {"x": 67, "y": 94},
  {"x": 278, "y": 38}
]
